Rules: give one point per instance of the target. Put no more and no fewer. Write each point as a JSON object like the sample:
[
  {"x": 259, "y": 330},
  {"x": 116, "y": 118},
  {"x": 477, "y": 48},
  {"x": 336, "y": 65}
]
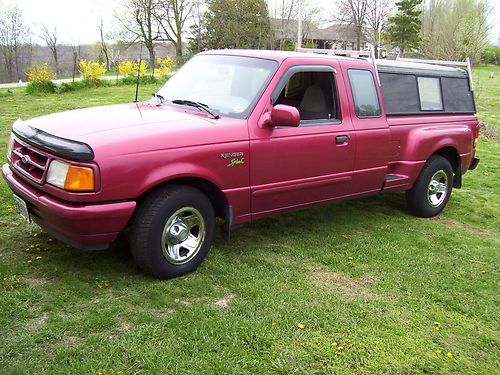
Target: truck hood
[
  {"x": 84, "y": 124},
  {"x": 139, "y": 127}
]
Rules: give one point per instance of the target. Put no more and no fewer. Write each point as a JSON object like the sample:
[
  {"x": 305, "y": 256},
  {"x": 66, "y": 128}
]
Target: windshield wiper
[
  {"x": 202, "y": 107},
  {"x": 160, "y": 98}
]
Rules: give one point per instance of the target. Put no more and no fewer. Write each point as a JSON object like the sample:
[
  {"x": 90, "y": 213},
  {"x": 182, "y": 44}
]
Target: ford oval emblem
[{"x": 25, "y": 159}]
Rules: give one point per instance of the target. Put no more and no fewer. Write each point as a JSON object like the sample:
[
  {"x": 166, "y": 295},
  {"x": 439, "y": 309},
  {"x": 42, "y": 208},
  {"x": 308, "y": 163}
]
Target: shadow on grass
[{"x": 306, "y": 226}]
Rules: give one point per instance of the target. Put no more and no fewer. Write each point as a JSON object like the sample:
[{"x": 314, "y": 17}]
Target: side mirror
[{"x": 285, "y": 115}]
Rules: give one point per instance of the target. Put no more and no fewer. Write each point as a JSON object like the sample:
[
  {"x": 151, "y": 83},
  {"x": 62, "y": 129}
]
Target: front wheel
[
  {"x": 431, "y": 192},
  {"x": 172, "y": 231}
]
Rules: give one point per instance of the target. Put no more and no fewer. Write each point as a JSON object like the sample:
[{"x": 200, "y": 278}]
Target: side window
[
  {"x": 364, "y": 93},
  {"x": 429, "y": 92},
  {"x": 313, "y": 94}
]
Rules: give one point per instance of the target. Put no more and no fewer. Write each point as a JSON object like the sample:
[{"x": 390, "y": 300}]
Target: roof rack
[{"x": 370, "y": 55}]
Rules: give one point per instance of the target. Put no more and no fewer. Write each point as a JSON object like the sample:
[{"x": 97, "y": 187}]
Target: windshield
[{"x": 228, "y": 85}]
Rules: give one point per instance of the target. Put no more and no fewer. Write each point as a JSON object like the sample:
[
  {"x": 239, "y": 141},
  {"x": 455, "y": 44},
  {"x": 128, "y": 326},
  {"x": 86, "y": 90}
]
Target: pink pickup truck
[{"x": 242, "y": 135}]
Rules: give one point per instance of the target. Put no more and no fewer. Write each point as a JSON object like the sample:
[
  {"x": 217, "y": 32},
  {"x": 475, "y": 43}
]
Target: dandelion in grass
[
  {"x": 300, "y": 326},
  {"x": 437, "y": 326},
  {"x": 438, "y": 351},
  {"x": 449, "y": 355},
  {"x": 101, "y": 284}
]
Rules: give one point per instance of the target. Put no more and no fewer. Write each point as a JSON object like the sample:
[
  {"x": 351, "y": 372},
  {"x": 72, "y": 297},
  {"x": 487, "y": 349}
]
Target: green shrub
[
  {"x": 45, "y": 87},
  {"x": 132, "y": 80},
  {"x": 491, "y": 55},
  {"x": 79, "y": 85}
]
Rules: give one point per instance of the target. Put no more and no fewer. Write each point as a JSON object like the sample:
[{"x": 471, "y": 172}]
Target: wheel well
[
  {"x": 213, "y": 193},
  {"x": 453, "y": 157}
]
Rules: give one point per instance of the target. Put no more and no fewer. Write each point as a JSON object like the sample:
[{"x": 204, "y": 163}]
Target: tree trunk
[
  {"x": 358, "y": 37},
  {"x": 56, "y": 60},
  {"x": 151, "y": 51},
  {"x": 178, "y": 46}
]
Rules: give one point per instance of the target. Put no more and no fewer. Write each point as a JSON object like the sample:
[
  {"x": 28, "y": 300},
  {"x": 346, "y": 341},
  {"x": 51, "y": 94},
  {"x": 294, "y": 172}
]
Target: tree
[
  {"x": 171, "y": 16},
  {"x": 12, "y": 34},
  {"x": 51, "y": 37},
  {"x": 140, "y": 24},
  {"x": 236, "y": 24},
  {"x": 404, "y": 27},
  {"x": 455, "y": 29},
  {"x": 103, "y": 45},
  {"x": 376, "y": 20},
  {"x": 353, "y": 12}
]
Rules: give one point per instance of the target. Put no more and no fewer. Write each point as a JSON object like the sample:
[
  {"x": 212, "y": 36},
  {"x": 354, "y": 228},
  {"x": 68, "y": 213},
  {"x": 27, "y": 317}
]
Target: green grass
[
  {"x": 487, "y": 92},
  {"x": 367, "y": 281}
]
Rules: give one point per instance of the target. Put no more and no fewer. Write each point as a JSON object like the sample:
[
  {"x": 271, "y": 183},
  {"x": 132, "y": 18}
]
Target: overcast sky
[{"x": 77, "y": 20}]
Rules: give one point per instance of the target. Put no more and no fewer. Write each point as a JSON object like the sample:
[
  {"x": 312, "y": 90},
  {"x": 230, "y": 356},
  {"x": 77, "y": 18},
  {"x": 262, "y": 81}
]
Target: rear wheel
[
  {"x": 172, "y": 231},
  {"x": 433, "y": 187}
]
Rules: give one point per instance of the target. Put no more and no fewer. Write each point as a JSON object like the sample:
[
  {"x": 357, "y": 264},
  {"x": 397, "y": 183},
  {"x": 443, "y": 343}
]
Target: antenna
[{"x": 138, "y": 76}]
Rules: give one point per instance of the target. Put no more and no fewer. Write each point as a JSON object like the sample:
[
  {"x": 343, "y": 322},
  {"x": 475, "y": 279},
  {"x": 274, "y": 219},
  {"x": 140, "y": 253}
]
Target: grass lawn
[{"x": 356, "y": 287}]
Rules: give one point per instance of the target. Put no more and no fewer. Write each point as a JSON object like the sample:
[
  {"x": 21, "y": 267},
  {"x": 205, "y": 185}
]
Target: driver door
[{"x": 295, "y": 166}]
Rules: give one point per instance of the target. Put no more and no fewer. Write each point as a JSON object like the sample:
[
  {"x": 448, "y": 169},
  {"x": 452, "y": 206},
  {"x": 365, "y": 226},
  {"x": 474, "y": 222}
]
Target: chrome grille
[{"x": 29, "y": 161}]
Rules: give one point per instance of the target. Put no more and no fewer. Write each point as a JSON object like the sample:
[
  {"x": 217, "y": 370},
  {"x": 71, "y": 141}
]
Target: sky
[{"x": 77, "y": 20}]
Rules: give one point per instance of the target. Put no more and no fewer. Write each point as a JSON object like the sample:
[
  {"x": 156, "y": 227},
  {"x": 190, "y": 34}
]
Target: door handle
[{"x": 341, "y": 139}]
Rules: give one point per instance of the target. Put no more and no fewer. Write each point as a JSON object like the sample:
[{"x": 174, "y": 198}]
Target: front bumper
[{"x": 89, "y": 226}]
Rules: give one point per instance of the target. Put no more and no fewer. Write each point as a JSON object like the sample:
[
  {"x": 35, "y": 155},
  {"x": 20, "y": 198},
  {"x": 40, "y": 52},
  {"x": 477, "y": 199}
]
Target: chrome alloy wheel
[
  {"x": 438, "y": 188},
  {"x": 183, "y": 235}
]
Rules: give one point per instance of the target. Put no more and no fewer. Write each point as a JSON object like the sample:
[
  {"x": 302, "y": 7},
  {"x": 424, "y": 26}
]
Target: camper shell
[{"x": 411, "y": 88}]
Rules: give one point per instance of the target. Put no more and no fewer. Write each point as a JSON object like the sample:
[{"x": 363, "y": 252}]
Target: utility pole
[{"x": 299, "y": 28}]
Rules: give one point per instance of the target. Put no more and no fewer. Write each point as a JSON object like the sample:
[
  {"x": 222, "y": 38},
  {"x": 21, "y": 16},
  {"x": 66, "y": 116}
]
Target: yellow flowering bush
[
  {"x": 92, "y": 70},
  {"x": 126, "y": 68},
  {"x": 39, "y": 73},
  {"x": 165, "y": 66},
  {"x": 129, "y": 68}
]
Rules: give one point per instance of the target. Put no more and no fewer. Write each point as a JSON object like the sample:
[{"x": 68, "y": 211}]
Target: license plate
[{"x": 22, "y": 208}]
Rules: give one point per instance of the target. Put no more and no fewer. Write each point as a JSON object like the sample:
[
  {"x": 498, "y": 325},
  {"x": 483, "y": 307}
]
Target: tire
[
  {"x": 172, "y": 231},
  {"x": 431, "y": 192}
]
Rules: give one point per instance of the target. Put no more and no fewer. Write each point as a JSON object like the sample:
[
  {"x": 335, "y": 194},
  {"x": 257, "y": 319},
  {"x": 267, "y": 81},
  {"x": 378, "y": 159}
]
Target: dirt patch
[
  {"x": 34, "y": 281},
  {"x": 224, "y": 301},
  {"x": 40, "y": 321},
  {"x": 191, "y": 300},
  {"x": 125, "y": 327},
  {"x": 457, "y": 225},
  {"x": 70, "y": 340},
  {"x": 341, "y": 283}
]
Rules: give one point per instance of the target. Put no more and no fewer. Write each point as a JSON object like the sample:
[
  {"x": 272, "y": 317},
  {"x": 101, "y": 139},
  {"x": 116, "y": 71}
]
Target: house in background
[{"x": 335, "y": 36}]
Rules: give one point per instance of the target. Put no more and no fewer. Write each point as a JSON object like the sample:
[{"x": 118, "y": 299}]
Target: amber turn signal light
[{"x": 79, "y": 179}]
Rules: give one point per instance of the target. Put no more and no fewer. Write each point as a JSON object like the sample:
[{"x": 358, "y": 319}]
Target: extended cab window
[
  {"x": 366, "y": 102},
  {"x": 429, "y": 92},
  {"x": 313, "y": 94}
]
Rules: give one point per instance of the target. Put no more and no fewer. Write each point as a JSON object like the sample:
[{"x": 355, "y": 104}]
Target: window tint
[
  {"x": 364, "y": 93},
  {"x": 429, "y": 91},
  {"x": 313, "y": 94}
]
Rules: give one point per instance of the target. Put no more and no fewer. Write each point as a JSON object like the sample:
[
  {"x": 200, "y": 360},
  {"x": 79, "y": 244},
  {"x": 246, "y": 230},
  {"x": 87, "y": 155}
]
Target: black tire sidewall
[
  {"x": 150, "y": 252},
  {"x": 417, "y": 195}
]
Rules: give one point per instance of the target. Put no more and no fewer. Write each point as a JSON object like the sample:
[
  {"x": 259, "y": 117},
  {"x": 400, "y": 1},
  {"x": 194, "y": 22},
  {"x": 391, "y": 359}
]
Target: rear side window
[
  {"x": 364, "y": 93},
  {"x": 429, "y": 92}
]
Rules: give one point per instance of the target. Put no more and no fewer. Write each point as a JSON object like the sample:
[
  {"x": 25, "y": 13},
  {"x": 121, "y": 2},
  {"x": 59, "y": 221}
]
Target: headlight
[
  {"x": 10, "y": 146},
  {"x": 70, "y": 177}
]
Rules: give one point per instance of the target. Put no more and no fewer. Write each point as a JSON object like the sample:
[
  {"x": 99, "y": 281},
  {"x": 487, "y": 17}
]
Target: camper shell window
[{"x": 416, "y": 88}]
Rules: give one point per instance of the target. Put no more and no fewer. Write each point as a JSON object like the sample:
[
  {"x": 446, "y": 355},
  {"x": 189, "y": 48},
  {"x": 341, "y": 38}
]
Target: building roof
[{"x": 287, "y": 29}]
